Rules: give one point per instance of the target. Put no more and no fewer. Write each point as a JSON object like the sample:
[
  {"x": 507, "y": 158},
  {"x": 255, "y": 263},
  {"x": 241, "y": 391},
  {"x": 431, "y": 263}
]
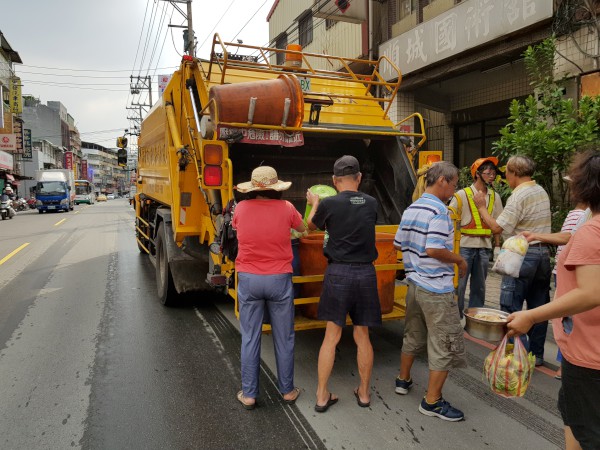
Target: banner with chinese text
[
  {"x": 265, "y": 137},
  {"x": 69, "y": 160}
]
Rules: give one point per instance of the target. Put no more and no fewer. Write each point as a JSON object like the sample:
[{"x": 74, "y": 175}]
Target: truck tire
[{"x": 164, "y": 281}]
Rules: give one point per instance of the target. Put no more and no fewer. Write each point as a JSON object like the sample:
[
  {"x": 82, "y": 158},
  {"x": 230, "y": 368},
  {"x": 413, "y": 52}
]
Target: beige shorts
[{"x": 433, "y": 323}]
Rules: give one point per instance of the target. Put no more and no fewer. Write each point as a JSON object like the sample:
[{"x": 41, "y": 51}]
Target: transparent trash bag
[
  {"x": 511, "y": 257},
  {"x": 508, "y": 368}
]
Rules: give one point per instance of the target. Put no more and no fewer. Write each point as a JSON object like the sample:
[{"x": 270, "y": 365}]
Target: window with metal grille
[
  {"x": 305, "y": 29},
  {"x": 406, "y": 8},
  {"x": 281, "y": 42}
]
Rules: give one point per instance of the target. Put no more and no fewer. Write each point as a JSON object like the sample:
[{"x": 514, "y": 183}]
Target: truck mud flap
[{"x": 188, "y": 272}]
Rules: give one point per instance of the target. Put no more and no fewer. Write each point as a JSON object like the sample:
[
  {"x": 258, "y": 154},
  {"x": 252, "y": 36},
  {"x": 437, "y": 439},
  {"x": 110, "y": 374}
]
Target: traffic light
[
  {"x": 122, "y": 157},
  {"x": 121, "y": 142}
]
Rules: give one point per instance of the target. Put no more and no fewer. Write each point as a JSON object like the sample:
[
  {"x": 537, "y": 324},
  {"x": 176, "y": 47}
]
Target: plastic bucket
[
  {"x": 323, "y": 191},
  {"x": 313, "y": 262}
]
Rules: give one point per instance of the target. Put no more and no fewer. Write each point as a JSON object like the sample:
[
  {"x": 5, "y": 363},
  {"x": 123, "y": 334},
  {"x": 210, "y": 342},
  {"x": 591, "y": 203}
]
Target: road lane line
[
  {"x": 13, "y": 253},
  {"x": 59, "y": 222}
]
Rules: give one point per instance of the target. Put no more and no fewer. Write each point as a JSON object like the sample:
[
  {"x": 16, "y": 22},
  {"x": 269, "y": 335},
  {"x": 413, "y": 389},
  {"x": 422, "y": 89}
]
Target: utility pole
[
  {"x": 188, "y": 33},
  {"x": 190, "y": 29}
]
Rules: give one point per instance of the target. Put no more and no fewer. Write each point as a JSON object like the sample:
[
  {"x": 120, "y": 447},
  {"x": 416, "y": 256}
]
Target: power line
[
  {"x": 217, "y": 24},
  {"x": 80, "y": 133},
  {"x": 73, "y": 84},
  {"x": 120, "y": 77},
  {"x": 75, "y": 87},
  {"x": 163, "y": 44},
  {"x": 141, "y": 34},
  {"x": 89, "y": 70},
  {"x": 255, "y": 13},
  {"x": 148, "y": 36},
  {"x": 156, "y": 41}
]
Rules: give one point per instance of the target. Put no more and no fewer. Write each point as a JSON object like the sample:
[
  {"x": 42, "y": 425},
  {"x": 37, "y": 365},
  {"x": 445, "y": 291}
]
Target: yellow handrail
[{"x": 261, "y": 63}]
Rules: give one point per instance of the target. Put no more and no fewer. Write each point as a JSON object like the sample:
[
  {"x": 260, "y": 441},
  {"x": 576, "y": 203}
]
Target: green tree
[{"x": 548, "y": 127}]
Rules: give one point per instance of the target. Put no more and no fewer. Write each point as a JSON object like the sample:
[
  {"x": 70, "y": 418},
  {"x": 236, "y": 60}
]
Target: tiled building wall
[
  {"x": 484, "y": 93},
  {"x": 403, "y": 107},
  {"x": 448, "y": 139},
  {"x": 573, "y": 48}
]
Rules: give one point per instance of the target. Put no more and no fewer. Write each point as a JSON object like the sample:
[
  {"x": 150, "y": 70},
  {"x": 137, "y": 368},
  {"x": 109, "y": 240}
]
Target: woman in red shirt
[
  {"x": 264, "y": 268},
  {"x": 578, "y": 284}
]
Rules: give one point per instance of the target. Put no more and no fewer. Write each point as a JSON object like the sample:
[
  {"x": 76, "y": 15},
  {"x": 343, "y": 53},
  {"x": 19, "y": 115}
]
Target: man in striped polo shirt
[
  {"x": 527, "y": 209},
  {"x": 432, "y": 323}
]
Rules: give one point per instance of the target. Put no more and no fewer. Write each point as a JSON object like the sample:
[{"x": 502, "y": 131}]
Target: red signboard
[
  {"x": 69, "y": 160},
  {"x": 259, "y": 136},
  {"x": 84, "y": 169}
]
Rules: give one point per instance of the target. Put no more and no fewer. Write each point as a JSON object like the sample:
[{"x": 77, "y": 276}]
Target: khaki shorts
[{"x": 433, "y": 323}]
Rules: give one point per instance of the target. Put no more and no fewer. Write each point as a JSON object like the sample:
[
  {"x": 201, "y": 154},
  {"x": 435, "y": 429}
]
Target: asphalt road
[{"x": 90, "y": 359}]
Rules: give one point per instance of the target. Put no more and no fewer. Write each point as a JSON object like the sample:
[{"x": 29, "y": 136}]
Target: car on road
[
  {"x": 110, "y": 197},
  {"x": 101, "y": 198}
]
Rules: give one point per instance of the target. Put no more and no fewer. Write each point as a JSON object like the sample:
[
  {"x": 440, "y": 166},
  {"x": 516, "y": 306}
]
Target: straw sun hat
[{"x": 264, "y": 178}]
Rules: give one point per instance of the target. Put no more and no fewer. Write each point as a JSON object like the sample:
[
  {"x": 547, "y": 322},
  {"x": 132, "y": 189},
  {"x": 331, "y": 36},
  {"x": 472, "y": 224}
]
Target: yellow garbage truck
[{"x": 219, "y": 118}]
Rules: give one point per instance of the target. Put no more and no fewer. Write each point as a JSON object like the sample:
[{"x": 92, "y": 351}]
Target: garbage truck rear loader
[{"x": 219, "y": 119}]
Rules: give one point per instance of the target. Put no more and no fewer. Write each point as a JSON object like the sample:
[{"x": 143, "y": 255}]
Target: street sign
[{"x": 27, "y": 150}]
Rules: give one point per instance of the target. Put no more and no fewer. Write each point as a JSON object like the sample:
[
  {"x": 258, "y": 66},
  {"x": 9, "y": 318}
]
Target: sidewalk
[{"x": 492, "y": 300}]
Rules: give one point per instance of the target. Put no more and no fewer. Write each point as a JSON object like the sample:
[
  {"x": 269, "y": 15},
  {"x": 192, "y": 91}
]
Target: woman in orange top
[{"x": 578, "y": 284}]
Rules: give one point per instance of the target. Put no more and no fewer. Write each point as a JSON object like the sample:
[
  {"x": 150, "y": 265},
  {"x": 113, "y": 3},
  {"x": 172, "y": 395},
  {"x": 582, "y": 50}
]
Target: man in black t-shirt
[{"x": 350, "y": 283}]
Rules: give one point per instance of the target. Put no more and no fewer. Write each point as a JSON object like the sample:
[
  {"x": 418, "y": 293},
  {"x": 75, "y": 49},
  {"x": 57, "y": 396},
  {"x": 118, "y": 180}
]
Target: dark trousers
[{"x": 533, "y": 287}]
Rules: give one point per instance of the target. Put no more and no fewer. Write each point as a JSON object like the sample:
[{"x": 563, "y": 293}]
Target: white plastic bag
[{"x": 511, "y": 256}]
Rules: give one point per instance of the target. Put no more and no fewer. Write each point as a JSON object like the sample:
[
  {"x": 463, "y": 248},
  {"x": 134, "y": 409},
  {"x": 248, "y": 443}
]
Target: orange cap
[{"x": 480, "y": 161}]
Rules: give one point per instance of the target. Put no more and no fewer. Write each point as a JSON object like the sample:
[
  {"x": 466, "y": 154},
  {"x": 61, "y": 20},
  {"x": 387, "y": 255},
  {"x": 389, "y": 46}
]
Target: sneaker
[
  {"x": 402, "y": 386},
  {"x": 441, "y": 409}
]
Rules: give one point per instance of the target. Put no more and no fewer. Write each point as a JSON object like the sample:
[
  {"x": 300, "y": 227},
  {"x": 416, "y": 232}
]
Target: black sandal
[{"x": 325, "y": 407}]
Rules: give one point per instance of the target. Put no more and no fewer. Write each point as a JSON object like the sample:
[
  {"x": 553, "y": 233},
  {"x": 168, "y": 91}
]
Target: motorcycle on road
[{"x": 6, "y": 210}]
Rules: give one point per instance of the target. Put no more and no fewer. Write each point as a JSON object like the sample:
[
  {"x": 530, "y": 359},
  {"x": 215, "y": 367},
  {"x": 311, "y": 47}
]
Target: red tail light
[{"x": 213, "y": 176}]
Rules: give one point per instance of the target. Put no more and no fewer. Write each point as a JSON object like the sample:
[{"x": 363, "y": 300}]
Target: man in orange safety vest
[{"x": 476, "y": 236}]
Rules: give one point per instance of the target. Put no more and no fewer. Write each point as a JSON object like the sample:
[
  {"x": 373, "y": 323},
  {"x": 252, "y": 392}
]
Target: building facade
[
  {"x": 11, "y": 125},
  {"x": 108, "y": 177},
  {"x": 461, "y": 60}
]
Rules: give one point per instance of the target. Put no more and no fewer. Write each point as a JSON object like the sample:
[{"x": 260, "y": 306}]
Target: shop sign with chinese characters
[
  {"x": 467, "y": 25},
  {"x": 8, "y": 142},
  {"x": 6, "y": 161},
  {"x": 27, "y": 150},
  {"x": 16, "y": 102}
]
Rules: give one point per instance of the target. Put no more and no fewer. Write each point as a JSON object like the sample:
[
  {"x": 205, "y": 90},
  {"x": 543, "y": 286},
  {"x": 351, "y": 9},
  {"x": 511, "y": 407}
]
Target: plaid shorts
[
  {"x": 432, "y": 323},
  {"x": 350, "y": 289}
]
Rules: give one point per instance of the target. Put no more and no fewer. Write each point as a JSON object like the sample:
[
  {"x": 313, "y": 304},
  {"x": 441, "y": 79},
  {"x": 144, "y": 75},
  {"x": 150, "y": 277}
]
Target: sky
[{"x": 82, "y": 52}]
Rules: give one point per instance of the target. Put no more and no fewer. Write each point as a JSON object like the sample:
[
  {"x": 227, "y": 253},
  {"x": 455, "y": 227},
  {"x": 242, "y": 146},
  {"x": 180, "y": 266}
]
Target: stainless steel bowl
[{"x": 483, "y": 329}]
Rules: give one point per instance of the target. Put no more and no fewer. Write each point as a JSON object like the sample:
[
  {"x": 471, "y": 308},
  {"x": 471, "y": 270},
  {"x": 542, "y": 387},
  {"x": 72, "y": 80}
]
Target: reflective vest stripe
[{"x": 477, "y": 227}]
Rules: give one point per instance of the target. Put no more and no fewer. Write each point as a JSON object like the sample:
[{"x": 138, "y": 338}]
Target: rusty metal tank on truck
[{"x": 220, "y": 118}]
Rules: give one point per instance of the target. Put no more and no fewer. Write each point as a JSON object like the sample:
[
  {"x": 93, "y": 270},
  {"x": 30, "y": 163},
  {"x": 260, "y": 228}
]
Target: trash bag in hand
[
  {"x": 508, "y": 368},
  {"x": 510, "y": 259}
]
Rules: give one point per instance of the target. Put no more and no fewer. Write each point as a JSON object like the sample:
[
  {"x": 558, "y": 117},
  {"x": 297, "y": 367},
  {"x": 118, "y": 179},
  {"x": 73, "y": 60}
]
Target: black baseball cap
[{"x": 346, "y": 165}]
